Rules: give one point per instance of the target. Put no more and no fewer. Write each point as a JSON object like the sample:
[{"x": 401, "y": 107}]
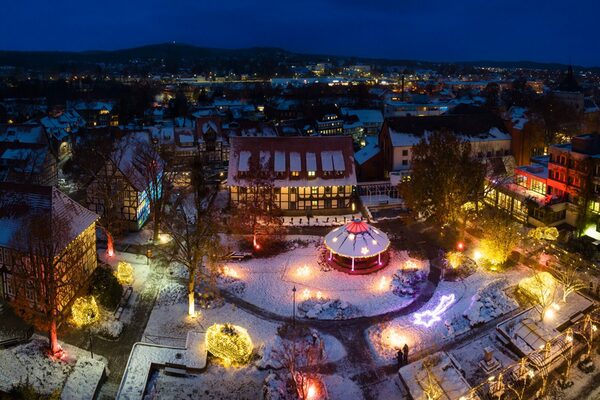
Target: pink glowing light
[{"x": 430, "y": 317}]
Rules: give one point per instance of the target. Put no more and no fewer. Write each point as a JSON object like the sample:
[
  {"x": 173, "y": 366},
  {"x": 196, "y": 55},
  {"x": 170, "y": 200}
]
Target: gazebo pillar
[
  {"x": 379, "y": 258},
  {"x": 330, "y": 254},
  {"x": 353, "y": 264}
]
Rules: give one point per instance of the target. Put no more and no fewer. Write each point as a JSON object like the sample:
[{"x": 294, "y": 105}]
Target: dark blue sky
[{"x": 561, "y": 31}]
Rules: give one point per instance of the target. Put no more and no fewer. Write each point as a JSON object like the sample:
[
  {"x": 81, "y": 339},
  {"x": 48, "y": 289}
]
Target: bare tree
[
  {"x": 568, "y": 275},
  {"x": 151, "y": 167},
  {"x": 194, "y": 241},
  {"x": 98, "y": 160},
  {"x": 259, "y": 212},
  {"x": 299, "y": 357},
  {"x": 47, "y": 272},
  {"x": 541, "y": 287}
]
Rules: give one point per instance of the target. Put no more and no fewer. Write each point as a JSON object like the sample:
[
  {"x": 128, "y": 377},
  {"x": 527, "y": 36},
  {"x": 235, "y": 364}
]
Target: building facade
[
  {"x": 310, "y": 175},
  {"x": 76, "y": 257}
]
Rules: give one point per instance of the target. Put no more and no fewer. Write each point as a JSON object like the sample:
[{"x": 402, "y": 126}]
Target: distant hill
[{"x": 185, "y": 54}]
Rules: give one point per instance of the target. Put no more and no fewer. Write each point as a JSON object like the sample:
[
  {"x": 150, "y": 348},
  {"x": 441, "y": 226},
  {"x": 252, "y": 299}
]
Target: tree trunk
[
  {"x": 55, "y": 348},
  {"x": 156, "y": 226},
  {"x": 191, "y": 290}
]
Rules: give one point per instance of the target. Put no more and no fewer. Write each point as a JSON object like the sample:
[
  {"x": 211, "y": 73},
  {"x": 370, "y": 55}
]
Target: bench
[{"x": 175, "y": 369}]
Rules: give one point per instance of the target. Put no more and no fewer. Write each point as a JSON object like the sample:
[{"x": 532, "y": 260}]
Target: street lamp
[{"x": 294, "y": 307}]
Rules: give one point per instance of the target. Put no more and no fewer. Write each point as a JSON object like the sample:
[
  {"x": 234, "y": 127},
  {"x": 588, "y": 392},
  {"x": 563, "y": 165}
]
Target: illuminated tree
[
  {"x": 454, "y": 259},
  {"x": 500, "y": 236},
  {"x": 300, "y": 356},
  {"x": 48, "y": 265},
  {"x": 230, "y": 343},
  {"x": 541, "y": 287},
  {"x": 259, "y": 212},
  {"x": 84, "y": 311},
  {"x": 444, "y": 177},
  {"x": 125, "y": 273},
  {"x": 193, "y": 229},
  {"x": 568, "y": 275}
]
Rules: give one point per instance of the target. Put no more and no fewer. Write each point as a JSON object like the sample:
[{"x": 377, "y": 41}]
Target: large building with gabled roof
[{"x": 310, "y": 175}]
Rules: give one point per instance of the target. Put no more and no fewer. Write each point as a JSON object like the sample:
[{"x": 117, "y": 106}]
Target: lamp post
[
  {"x": 294, "y": 307},
  {"x": 91, "y": 318}
]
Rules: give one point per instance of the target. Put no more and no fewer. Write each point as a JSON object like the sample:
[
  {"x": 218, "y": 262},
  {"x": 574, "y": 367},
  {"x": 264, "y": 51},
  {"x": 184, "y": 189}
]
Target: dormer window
[
  {"x": 295, "y": 174},
  {"x": 311, "y": 174}
]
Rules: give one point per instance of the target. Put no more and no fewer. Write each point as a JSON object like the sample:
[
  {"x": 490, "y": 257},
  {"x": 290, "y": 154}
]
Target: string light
[{"x": 231, "y": 343}]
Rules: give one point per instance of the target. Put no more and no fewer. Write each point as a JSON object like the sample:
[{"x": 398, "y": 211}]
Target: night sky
[{"x": 448, "y": 30}]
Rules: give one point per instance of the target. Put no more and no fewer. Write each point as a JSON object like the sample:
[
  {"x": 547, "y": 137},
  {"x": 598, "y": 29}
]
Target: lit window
[
  {"x": 295, "y": 174},
  {"x": 311, "y": 174}
]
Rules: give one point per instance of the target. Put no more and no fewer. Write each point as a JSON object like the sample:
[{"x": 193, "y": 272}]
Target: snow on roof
[
  {"x": 518, "y": 117},
  {"x": 19, "y": 202},
  {"x": 22, "y": 133},
  {"x": 365, "y": 115},
  {"x": 357, "y": 239},
  {"x": 327, "y": 161},
  {"x": 280, "y": 161},
  {"x": 295, "y": 162},
  {"x": 338, "y": 161},
  {"x": 369, "y": 151},
  {"x": 244, "y": 161},
  {"x": 311, "y": 162},
  {"x": 304, "y": 153},
  {"x": 443, "y": 374},
  {"x": 126, "y": 157}
]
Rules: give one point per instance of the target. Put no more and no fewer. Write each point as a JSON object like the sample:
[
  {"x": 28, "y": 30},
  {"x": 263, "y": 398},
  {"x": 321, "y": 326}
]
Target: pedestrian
[
  {"x": 405, "y": 348},
  {"x": 400, "y": 359}
]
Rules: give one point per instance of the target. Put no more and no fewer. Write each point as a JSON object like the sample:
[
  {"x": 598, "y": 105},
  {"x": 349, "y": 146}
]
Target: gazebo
[{"x": 357, "y": 248}]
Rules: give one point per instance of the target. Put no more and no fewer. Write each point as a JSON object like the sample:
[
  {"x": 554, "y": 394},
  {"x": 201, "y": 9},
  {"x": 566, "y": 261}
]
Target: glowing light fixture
[
  {"x": 125, "y": 273},
  {"x": 231, "y": 343},
  {"x": 85, "y": 311},
  {"x": 429, "y": 317}
]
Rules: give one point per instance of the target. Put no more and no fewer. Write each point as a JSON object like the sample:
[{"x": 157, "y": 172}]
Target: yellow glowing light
[
  {"x": 555, "y": 306},
  {"x": 477, "y": 255},
  {"x": 228, "y": 271},
  {"x": 125, "y": 273},
  {"x": 306, "y": 294},
  {"x": 410, "y": 264},
  {"x": 374, "y": 242},
  {"x": 383, "y": 283},
  {"x": 303, "y": 271},
  {"x": 312, "y": 391},
  {"x": 334, "y": 240},
  {"x": 319, "y": 295},
  {"x": 454, "y": 259},
  {"x": 549, "y": 313},
  {"x": 364, "y": 251},
  {"x": 351, "y": 236},
  {"x": 393, "y": 337},
  {"x": 85, "y": 311},
  {"x": 230, "y": 343}
]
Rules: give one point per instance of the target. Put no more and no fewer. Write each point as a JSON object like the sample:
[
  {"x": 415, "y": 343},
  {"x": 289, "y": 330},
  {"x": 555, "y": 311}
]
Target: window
[
  {"x": 293, "y": 190},
  {"x": 295, "y": 174},
  {"x": 405, "y": 153},
  {"x": 489, "y": 154},
  {"x": 292, "y": 205},
  {"x": 327, "y": 189},
  {"x": 311, "y": 174},
  {"x": 404, "y": 162},
  {"x": 327, "y": 203},
  {"x": 314, "y": 190}
]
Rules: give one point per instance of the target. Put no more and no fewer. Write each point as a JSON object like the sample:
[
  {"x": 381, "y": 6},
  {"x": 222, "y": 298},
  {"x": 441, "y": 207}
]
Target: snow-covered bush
[
  {"x": 327, "y": 309},
  {"x": 489, "y": 302},
  {"x": 405, "y": 283},
  {"x": 231, "y": 284}
]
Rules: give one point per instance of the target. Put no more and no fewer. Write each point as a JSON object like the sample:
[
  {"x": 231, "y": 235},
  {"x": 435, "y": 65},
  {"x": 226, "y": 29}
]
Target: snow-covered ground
[
  {"x": 269, "y": 283},
  {"x": 385, "y": 338},
  {"x": 30, "y": 362}
]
